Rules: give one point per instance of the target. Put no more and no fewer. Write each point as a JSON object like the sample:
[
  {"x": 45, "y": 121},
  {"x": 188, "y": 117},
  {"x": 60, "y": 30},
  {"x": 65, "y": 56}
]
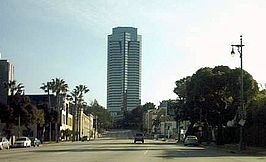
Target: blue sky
[{"x": 46, "y": 39}]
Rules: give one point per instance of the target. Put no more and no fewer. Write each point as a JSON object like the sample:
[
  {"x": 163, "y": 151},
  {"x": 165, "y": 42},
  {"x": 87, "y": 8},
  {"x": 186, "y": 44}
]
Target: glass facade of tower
[{"x": 123, "y": 70}]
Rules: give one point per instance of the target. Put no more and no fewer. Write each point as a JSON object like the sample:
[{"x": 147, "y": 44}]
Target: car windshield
[{"x": 139, "y": 134}]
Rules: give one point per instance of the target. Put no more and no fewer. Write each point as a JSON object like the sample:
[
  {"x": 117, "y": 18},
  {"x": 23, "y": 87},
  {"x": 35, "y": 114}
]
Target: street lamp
[{"x": 242, "y": 111}]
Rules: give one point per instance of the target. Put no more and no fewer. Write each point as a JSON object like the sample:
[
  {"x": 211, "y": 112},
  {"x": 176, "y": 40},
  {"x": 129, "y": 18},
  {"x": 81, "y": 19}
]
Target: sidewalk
[{"x": 233, "y": 148}]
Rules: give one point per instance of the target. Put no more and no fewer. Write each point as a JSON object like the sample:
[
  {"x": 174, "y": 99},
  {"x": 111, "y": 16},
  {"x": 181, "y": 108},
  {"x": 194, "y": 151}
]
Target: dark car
[
  {"x": 35, "y": 141},
  {"x": 139, "y": 137}
]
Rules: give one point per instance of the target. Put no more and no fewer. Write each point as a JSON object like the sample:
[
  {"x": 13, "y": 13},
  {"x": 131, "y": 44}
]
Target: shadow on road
[
  {"x": 123, "y": 142},
  {"x": 190, "y": 152},
  {"x": 95, "y": 150},
  {"x": 157, "y": 149}
]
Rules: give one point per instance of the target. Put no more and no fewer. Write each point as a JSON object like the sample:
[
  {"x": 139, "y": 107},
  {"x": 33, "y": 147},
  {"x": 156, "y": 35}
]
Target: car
[
  {"x": 139, "y": 137},
  {"x": 22, "y": 142},
  {"x": 161, "y": 137},
  {"x": 191, "y": 140},
  {"x": 84, "y": 138},
  {"x": 35, "y": 141},
  {"x": 4, "y": 143}
]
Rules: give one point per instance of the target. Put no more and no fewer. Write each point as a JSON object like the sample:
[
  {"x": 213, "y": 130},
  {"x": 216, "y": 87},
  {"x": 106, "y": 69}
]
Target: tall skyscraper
[
  {"x": 123, "y": 70},
  {"x": 6, "y": 75}
]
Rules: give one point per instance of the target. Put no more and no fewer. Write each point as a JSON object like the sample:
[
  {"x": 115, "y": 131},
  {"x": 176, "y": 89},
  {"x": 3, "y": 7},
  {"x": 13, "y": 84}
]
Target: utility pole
[{"x": 242, "y": 110}]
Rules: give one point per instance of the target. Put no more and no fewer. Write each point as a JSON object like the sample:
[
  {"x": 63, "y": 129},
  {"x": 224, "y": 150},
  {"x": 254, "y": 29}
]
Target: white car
[
  {"x": 4, "y": 143},
  {"x": 22, "y": 142},
  {"x": 191, "y": 140}
]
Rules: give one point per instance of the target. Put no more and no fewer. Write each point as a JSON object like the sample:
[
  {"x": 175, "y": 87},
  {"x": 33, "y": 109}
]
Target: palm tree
[
  {"x": 20, "y": 89},
  {"x": 14, "y": 88},
  {"x": 60, "y": 88},
  {"x": 17, "y": 90},
  {"x": 78, "y": 101},
  {"x": 47, "y": 88}
]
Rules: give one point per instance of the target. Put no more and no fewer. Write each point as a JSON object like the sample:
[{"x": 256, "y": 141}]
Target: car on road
[
  {"x": 4, "y": 143},
  {"x": 191, "y": 140},
  {"x": 35, "y": 141},
  {"x": 22, "y": 142},
  {"x": 139, "y": 137}
]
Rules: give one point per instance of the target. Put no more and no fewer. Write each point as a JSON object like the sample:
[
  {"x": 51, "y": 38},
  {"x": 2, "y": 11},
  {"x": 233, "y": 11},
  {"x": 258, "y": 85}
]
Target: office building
[
  {"x": 6, "y": 75},
  {"x": 123, "y": 70}
]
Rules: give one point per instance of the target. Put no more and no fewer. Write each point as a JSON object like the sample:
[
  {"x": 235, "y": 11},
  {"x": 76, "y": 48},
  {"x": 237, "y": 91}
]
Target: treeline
[
  {"x": 210, "y": 99},
  {"x": 134, "y": 119},
  {"x": 104, "y": 118},
  {"x": 20, "y": 111}
]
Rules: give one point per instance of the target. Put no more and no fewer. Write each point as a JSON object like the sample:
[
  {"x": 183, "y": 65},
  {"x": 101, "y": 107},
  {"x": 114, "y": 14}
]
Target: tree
[
  {"x": 77, "y": 97},
  {"x": 50, "y": 117},
  {"x": 212, "y": 94},
  {"x": 220, "y": 97},
  {"x": 6, "y": 116},
  {"x": 181, "y": 88},
  {"x": 104, "y": 118},
  {"x": 134, "y": 119},
  {"x": 46, "y": 87},
  {"x": 149, "y": 106},
  {"x": 256, "y": 115},
  {"x": 182, "y": 95},
  {"x": 14, "y": 88},
  {"x": 20, "y": 111},
  {"x": 60, "y": 88},
  {"x": 31, "y": 116}
]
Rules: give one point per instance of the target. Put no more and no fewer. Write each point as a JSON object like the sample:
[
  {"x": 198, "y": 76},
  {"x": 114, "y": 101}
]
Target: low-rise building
[
  {"x": 66, "y": 119},
  {"x": 148, "y": 121},
  {"x": 168, "y": 128},
  {"x": 161, "y": 121},
  {"x": 85, "y": 125}
]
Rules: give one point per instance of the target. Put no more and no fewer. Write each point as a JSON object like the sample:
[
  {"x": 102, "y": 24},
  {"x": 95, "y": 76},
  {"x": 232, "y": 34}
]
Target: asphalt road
[{"x": 121, "y": 150}]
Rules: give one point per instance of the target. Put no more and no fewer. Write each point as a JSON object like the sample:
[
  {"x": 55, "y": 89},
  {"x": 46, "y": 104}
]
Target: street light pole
[{"x": 242, "y": 111}]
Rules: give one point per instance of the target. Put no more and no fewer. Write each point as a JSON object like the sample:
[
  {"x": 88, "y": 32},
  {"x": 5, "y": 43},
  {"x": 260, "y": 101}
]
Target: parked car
[
  {"x": 35, "y": 141},
  {"x": 84, "y": 138},
  {"x": 191, "y": 140},
  {"x": 139, "y": 137},
  {"x": 161, "y": 137},
  {"x": 22, "y": 142},
  {"x": 4, "y": 143}
]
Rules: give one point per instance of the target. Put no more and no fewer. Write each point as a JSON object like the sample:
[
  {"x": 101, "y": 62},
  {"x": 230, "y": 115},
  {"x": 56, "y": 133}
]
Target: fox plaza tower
[{"x": 123, "y": 70}]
